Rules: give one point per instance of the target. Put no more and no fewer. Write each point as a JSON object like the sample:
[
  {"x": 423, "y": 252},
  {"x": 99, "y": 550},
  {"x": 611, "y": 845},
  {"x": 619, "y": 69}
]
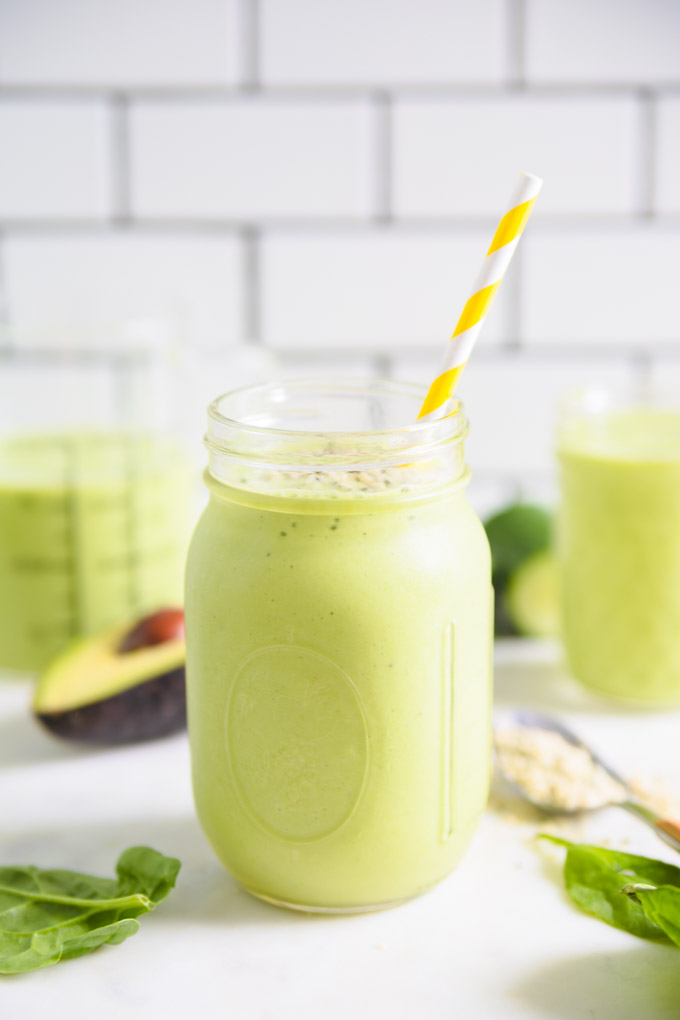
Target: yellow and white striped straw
[{"x": 497, "y": 259}]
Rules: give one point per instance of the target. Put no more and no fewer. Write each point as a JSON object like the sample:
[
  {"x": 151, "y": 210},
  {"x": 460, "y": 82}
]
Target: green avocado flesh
[{"x": 93, "y": 692}]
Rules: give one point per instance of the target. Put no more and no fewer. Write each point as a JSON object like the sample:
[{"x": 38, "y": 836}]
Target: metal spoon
[{"x": 665, "y": 829}]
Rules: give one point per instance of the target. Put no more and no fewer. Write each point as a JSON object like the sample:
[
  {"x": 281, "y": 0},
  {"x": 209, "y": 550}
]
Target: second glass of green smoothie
[{"x": 619, "y": 537}]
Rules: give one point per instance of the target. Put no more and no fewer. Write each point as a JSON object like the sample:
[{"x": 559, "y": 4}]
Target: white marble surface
[{"x": 498, "y": 939}]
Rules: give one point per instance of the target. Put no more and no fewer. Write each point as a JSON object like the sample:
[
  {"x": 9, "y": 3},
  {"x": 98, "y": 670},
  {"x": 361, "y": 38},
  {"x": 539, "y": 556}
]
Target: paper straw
[{"x": 497, "y": 259}]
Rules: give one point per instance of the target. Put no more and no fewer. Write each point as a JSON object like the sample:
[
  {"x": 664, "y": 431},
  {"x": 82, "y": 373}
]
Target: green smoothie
[
  {"x": 620, "y": 550},
  {"x": 93, "y": 532},
  {"x": 339, "y": 684}
]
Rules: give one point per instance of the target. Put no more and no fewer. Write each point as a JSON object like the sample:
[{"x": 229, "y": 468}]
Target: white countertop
[{"x": 498, "y": 939}]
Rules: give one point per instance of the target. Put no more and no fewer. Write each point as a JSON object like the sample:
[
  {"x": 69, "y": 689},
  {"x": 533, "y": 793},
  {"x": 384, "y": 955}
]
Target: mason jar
[
  {"x": 339, "y": 639},
  {"x": 619, "y": 539}
]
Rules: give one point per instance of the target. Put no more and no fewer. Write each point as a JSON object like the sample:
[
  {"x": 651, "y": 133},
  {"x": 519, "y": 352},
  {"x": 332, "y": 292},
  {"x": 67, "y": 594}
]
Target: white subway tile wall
[
  {"x": 664, "y": 378},
  {"x": 252, "y": 158},
  {"x": 610, "y": 285},
  {"x": 53, "y": 282},
  {"x": 586, "y": 149},
  {"x": 381, "y": 288},
  {"x": 305, "y": 365},
  {"x": 55, "y": 159},
  {"x": 628, "y": 41},
  {"x": 382, "y": 42},
  {"x": 667, "y": 162},
  {"x": 322, "y": 180},
  {"x": 119, "y": 42}
]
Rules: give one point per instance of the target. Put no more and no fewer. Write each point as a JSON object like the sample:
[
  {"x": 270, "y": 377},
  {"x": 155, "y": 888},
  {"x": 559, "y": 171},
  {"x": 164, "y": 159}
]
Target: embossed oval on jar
[{"x": 297, "y": 742}]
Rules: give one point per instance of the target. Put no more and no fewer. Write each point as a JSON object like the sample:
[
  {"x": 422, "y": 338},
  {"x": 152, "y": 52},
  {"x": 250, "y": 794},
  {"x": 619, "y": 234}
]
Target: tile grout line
[
  {"x": 4, "y": 298},
  {"x": 251, "y": 285},
  {"x": 382, "y": 364},
  {"x": 58, "y": 91},
  {"x": 515, "y": 42},
  {"x": 641, "y": 363},
  {"x": 383, "y": 157},
  {"x": 646, "y": 167},
  {"x": 551, "y": 223},
  {"x": 249, "y": 49},
  {"x": 562, "y": 353},
  {"x": 514, "y": 340},
  {"x": 119, "y": 166}
]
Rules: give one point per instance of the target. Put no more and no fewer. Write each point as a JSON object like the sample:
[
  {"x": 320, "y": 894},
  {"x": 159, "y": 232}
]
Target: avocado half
[{"x": 95, "y": 692}]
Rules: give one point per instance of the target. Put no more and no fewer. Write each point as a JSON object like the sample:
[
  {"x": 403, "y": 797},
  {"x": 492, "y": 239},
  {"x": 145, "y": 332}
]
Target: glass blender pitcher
[{"x": 95, "y": 493}]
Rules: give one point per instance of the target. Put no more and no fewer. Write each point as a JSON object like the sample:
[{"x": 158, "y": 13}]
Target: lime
[
  {"x": 516, "y": 535},
  {"x": 532, "y": 596}
]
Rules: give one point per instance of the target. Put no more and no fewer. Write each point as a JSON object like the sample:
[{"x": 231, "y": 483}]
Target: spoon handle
[{"x": 665, "y": 828}]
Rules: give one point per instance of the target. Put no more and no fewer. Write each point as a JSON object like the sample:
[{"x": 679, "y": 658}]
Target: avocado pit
[
  {"x": 123, "y": 686},
  {"x": 156, "y": 629}
]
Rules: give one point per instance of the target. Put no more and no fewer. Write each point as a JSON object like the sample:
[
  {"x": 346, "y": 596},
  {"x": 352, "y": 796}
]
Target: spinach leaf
[
  {"x": 622, "y": 889},
  {"x": 661, "y": 905},
  {"x": 52, "y": 915}
]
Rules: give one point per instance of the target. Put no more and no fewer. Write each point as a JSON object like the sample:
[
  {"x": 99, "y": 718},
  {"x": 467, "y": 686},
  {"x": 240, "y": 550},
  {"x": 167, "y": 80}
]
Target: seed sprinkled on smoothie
[{"x": 338, "y": 482}]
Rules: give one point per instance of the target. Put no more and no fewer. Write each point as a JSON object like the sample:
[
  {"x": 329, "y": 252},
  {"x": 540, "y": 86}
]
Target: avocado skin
[{"x": 153, "y": 708}]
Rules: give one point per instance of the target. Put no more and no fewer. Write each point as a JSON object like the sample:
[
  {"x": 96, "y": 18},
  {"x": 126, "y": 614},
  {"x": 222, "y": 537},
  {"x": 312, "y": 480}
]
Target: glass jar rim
[
  {"x": 595, "y": 398},
  {"x": 245, "y": 448},
  {"x": 452, "y": 425},
  {"x": 623, "y": 421}
]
